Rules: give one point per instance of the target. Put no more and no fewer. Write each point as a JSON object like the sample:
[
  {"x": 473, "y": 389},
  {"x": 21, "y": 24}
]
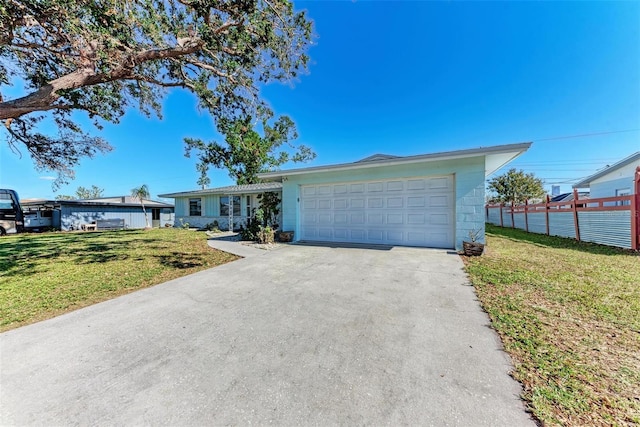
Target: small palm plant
[
  {"x": 142, "y": 193},
  {"x": 473, "y": 248}
]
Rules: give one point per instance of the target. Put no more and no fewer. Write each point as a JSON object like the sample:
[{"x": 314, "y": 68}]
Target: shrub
[
  {"x": 213, "y": 226},
  {"x": 266, "y": 235}
]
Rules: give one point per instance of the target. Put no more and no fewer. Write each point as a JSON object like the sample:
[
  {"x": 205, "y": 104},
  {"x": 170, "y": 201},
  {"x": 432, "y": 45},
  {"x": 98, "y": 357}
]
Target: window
[
  {"x": 224, "y": 205},
  {"x": 46, "y": 214},
  {"x": 248, "y": 206},
  {"x": 623, "y": 192},
  {"x": 195, "y": 207}
]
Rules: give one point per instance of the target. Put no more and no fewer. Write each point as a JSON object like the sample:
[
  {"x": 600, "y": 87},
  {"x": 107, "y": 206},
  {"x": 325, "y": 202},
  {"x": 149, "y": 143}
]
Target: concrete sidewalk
[{"x": 303, "y": 335}]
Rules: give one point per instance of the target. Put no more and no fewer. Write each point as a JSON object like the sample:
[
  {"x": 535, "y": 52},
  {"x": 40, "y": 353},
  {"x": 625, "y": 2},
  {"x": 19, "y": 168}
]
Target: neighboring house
[
  {"x": 567, "y": 197},
  {"x": 431, "y": 200},
  {"x": 233, "y": 204},
  {"x": 615, "y": 180},
  {"x": 73, "y": 214}
]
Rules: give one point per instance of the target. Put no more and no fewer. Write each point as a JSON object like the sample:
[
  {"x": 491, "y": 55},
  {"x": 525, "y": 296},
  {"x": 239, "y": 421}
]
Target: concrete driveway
[{"x": 302, "y": 335}]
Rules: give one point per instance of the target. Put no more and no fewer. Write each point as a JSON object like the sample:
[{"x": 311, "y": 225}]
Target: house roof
[
  {"x": 102, "y": 201},
  {"x": 376, "y": 157},
  {"x": 566, "y": 197},
  {"x": 496, "y": 157},
  {"x": 586, "y": 182},
  {"x": 230, "y": 189}
]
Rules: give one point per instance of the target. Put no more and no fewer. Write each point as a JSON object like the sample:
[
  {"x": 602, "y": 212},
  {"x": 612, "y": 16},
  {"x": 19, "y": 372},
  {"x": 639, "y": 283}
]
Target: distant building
[
  {"x": 69, "y": 215},
  {"x": 616, "y": 180}
]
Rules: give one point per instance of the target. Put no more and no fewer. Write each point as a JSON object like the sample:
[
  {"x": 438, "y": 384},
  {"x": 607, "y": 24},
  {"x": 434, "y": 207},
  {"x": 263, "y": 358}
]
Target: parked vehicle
[
  {"x": 11, "y": 217},
  {"x": 38, "y": 219}
]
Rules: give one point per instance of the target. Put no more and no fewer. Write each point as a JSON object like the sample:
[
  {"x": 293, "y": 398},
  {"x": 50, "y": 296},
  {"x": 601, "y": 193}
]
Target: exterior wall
[
  {"x": 72, "y": 217},
  {"x": 608, "y": 188},
  {"x": 469, "y": 190},
  {"x": 211, "y": 211},
  {"x": 617, "y": 179}
]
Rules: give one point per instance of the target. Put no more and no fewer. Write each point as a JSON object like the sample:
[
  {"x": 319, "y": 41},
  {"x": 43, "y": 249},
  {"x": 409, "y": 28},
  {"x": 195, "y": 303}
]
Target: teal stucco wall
[{"x": 469, "y": 190}]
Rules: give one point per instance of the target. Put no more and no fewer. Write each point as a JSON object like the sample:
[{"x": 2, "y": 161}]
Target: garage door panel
[
  {"x": 375, "y": 236},
  {"x": 340, "y": 204},
  {"x": 357, "y": 235},
  {"x": 375, "y": 187},
  {"x": 416, "y": 218},
  {"x": 439, "y": 219},
  {"x": 324, "y": 219},
  {"x": 324, "y": 204},
  {"x": 341, "y": 234},
  {"x": 325, "y": 233},
  {"x": 356, "y": 218},
  {"x": 416, "y": 202},
  {"x": 416, "y": 184},
  {"x": 375, "y": 219},
  {"x": 324, "y": 190},
  {"x": 357, "y": 203},
  {"x": 356, "y": 188},
  {"x": 438, "y": 183},
  {"x": 340, "y": 218},
  {"x": 340, "y": 189},
  {"x": 395, "y": 186},
  {"x": 309, "y": 218},
  {"x": 308, "y": 191},
  {"x": 309, "y": 204},
  {"x": 415, "y": 212},
  {"x": 395, "y": 202},
  {"x": 395, "y": 218},
  {"x": 439, "y": 201},
  {"x": 375, "y": 203}
]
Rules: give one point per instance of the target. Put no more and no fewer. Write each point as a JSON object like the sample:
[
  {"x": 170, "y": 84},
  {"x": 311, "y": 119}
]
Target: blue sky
[{"x": 410, "y": 78}]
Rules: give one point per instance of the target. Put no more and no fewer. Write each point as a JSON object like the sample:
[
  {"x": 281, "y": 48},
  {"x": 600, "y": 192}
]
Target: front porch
[{"x": 233, "y": 205}]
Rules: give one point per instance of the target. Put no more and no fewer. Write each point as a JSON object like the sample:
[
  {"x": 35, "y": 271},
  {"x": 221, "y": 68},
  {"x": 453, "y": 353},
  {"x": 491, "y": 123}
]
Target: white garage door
[{"x": 410, "y": 212}]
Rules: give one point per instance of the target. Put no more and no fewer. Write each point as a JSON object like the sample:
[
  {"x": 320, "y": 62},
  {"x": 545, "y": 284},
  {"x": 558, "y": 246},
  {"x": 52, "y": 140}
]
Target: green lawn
[
  {"x": 44, "y": 275},
  {"x": 569, "y": 316}
]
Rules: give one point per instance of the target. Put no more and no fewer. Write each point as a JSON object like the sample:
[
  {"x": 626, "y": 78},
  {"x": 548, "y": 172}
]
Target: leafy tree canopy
[
  {"x": 245, "y": 153},
  {"x": 515, "y": 186},
  {"x": 84, "y": 193},
  {"x": 102, "y": 57}
]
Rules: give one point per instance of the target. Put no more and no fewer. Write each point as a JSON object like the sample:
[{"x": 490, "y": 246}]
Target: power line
[{"x": 586, "y": 135}]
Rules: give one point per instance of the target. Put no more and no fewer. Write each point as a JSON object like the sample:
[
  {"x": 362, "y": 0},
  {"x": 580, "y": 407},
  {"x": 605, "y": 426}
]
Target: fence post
[
  {"x": 526, "y": 215},
  {"x": 575, "y": 213},
  {"x": 501, "y": 220},
  {"x": 546, "y": 213},
  {"x": 513, "y": 220},
  {"x": 635, "y": 212}
]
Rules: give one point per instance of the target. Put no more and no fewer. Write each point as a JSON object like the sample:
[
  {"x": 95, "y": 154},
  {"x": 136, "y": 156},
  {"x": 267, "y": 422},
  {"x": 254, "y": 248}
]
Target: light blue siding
[
  {"x": 73, "y": 217},
  {"x": 468, "y": 184},
  {"x": 211, "y": 211},
  {"x": 608, "y": 188}
]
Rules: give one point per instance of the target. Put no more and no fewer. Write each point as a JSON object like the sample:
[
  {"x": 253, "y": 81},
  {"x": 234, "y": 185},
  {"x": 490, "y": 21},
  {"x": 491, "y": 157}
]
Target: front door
[{"x": 155, "y": 217}]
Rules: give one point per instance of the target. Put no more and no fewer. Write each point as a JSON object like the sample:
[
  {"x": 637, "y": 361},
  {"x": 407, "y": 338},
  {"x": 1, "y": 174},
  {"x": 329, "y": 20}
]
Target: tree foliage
[
  {"x": 245, "y": 153},
  {"x": 102, "y": 57},
  {"x": 515, "y": 186},
  {"x": 84, "y": 193},
  {"x": 142, "y": 193}
]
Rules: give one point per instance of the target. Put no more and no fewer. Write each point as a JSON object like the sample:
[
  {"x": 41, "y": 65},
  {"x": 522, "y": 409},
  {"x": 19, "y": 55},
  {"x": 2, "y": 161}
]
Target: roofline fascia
[
  {"x": 586, "y": 182},
  {"x": 212, "y": 193},
  {"x": 447, "y": 155},
  {"x": 81, "y": 203}
]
